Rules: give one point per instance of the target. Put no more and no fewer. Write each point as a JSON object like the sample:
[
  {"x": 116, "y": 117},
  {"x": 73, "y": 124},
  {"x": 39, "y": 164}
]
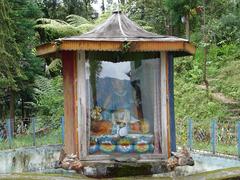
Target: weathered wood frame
[
  {"x": 136, "y": 46},
  {"x": 161, "y": 123},
  {"x": 165, "y": 113},
  {"x": 70, "y": 99}
]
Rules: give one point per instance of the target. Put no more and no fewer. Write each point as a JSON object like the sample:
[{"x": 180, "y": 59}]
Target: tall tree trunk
[
  {"x": 122, "y": 2},
  {"x": 205, "y": 48},
  {"x": 1, "y": 112},
  {"x": 103, "y": 6},
  {"x": 205, "y": 67},
  {"x": 12, "y": 109},
  {"x": 168, "y": 25},
  {"x": 23, "y": 117},
  {"x": 187, "y": 27},
  {"x": 142, "y": 12},
  {"x": 86, "y": 8}
]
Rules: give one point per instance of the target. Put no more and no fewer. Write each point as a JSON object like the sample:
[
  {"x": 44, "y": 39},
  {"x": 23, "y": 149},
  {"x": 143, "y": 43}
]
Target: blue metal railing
[{"x": 214, "y": 136}]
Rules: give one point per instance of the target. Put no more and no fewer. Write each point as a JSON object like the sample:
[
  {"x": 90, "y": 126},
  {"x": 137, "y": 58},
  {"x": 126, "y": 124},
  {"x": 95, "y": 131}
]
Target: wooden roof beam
[
  {"x": 134, "y": 46},
  {"x": 46, "y": 49}
]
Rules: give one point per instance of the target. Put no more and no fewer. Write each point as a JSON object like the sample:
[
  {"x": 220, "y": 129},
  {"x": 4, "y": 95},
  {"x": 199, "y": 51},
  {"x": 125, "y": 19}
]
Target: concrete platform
[
  {"x": 42, "y": 160},
  {"x": 205, "y": 163}
]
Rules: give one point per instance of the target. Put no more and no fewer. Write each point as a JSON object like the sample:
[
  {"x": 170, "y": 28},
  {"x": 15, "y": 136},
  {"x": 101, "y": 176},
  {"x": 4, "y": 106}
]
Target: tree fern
[
  {"x": 85, "y": 27},
  {"x": 50, "y": 21},
  {"x": 50, "y": 29},
  {"x": 76, "y": 20}
]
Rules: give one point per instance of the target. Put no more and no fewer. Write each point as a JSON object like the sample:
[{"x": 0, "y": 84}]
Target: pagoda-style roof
[
  {"x": 120, "y": 28},
  {"x": 119, "y": 33}
]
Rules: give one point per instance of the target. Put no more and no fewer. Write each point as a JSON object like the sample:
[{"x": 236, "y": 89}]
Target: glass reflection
[{"x": 121, "y": 106}]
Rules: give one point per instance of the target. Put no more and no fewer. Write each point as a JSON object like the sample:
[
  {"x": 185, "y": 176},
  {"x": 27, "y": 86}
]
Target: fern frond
[
  {"x": 76, "y": 20},
  {"x": 85, "y": 27},
  {"x": 50, "y": 21},
  {"x": 53, "y": 66}
]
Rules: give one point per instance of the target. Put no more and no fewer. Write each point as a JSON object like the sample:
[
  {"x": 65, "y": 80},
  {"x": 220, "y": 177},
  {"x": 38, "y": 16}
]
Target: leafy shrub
[
  {"x": 49, "y": 100},
  {"x": 225, "y": 68}
]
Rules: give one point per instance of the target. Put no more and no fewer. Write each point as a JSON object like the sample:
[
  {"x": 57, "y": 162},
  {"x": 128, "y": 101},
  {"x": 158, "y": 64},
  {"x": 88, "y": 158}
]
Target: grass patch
[
  {"x": 195, "y": 103},
  {"x": 224, "y": 66},
  {"x": 220, "y": 148},
  {"x": 229, "y": 80},
  {"x": 53, "y": 137}
]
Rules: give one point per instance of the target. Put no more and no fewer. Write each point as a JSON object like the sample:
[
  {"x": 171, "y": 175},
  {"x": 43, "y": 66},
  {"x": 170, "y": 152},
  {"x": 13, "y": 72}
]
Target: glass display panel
[{"x": 122, "y": 97}]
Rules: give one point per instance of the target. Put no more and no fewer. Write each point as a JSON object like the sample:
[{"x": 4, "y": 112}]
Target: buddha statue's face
[{"x": 118, "y": 85}]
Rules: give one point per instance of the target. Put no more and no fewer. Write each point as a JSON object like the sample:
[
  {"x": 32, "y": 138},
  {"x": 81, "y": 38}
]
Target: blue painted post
[
  {"x": 9, "y": 132},
  {"x": 62, "y": 125},
  {"x": 34, "y": 131},
  {"x": 238, "y": 138},
  {"x": 171, "y": 102},
  {"x": 213, "y": 135},
  {"x": 190, "y": 134}
]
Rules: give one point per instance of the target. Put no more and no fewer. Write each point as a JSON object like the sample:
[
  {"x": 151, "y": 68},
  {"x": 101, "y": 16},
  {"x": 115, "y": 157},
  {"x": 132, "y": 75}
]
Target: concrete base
[
  {"x": 124, "y": 169},
  {"x": 43, "y": 159},
  {"x": 30, "y": 159},
  {"x": 203, "y": 163}
]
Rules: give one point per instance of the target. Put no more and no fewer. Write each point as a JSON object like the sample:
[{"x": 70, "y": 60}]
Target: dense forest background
[{"x": 206, "y": 85}]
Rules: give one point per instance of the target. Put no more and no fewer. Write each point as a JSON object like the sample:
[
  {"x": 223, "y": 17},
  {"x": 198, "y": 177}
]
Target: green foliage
[
  {"x": 228, "y": 80},
  {"x": 54, "y": 66},
  {"x": 50, "y": 29},
  {"x": 9, "y": 49},
  {"x": 49, "y": 98},
  {"x": 152, "y": 15},
  {"x": 103, "y": 17},
  {"x": 195, "y": 103},
  {"x": 189, "y": 68},
  {"x": 181, "y": 8},
  {"x": 226, "y": 28},
  {"x": 76, "y": 21},
  {"x": 85, "y": 27},
  {"x": 56, "y": 9},
  {"x": 27, "y": 140},
  {"x": 23, "y": 14},
  {"x": 50, "y": 91},
  {"x": 79, "y": 7},
  {"x": 224, "y": 66}
]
